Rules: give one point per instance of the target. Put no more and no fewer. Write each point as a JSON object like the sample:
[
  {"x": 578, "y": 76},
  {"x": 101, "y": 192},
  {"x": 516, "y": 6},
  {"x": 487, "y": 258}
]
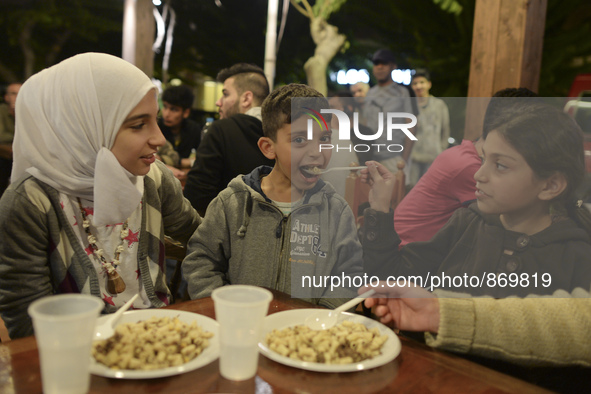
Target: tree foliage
[
  {"x": 327, "y": 38},
  {"x": 428, "y": 34},
  {"x": 39, "y": 32},
  {"x": 424, "y": 35}
]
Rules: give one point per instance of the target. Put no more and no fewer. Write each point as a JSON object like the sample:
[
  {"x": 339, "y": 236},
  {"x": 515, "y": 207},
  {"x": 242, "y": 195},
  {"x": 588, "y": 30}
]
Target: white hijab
[{"x": 67, "y": 119}]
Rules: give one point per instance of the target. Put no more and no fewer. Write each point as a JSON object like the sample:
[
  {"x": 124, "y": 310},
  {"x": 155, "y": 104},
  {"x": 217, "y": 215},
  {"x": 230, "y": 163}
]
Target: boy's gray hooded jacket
[{"x": 246, "y": 239}]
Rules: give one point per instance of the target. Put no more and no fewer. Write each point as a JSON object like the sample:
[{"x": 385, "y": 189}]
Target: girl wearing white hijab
[{"x": 89, "y": 204}]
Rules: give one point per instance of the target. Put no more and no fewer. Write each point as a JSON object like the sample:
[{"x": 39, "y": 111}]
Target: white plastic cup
[
  {"x": 240, "y": 310},
  {"x": 64, "y": 328}
]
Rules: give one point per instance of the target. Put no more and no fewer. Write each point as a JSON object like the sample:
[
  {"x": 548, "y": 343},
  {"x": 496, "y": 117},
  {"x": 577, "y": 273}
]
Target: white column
[
  {"x": 271, "y": 41},
  {"x": 129, "y": 30}
]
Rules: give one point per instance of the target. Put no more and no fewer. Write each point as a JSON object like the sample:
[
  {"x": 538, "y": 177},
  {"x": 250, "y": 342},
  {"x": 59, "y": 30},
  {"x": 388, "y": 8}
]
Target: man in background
[
  {"x": 385, "y": 97},
  {"x": 432, "y": 126},
  {"x": 182, "y": 132},
  {"x": 7, "y": 116},
  {"x": 229, "y": 147}
]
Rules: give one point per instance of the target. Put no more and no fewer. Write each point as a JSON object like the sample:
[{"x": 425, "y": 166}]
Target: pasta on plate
[
  {"x": 345, "y": 343},
  {"x": 159, "y": 342}
]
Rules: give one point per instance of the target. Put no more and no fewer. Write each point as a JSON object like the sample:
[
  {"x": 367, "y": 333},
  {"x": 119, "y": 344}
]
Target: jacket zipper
[{"x": 279, "y": 232}]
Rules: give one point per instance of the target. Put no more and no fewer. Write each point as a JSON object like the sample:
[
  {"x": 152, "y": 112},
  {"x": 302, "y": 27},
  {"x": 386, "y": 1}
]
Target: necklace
[{"x": 115, "y": 283}]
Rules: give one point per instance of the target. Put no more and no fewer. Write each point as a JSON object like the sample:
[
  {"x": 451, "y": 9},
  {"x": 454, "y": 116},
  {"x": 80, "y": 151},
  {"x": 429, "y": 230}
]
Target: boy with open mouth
[{"x": 281, "y": 227}]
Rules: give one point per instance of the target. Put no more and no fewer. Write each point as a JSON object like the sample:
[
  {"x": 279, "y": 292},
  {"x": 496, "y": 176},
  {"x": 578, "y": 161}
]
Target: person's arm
[
  {"x": 179, "y": 218},
  {"x": 24, "y": 258},
  {"x": 378, "y": 237},
  {"x": 531, "y": 331},
  {"x": 204, "y": 180},
  {"x": 380, "y": 241},
  {"x": 208, "y": 253}
]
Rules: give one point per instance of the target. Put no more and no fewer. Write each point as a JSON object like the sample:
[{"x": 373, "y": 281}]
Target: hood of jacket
[{"x": 251, "y": 185}]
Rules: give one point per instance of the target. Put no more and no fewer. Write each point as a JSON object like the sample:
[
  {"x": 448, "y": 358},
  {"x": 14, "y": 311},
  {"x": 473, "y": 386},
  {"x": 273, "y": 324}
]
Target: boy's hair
[
  {"x": 550, "y": 141},
  {"x": 181, "y": 96},
  {"x": 421, "y": 72},
  {"x": 277, "y": 111},
  {"x": 505, "y": 105},
  {"x": 247, "y": 77}
]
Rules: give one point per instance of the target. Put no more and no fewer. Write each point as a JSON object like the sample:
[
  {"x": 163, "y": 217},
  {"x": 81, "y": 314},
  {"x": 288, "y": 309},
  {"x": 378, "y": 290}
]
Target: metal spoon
[
  {"x": 318, "y": 171},
  {"x": 106, "y": 328},
  {"x": 325, "y": 319}
]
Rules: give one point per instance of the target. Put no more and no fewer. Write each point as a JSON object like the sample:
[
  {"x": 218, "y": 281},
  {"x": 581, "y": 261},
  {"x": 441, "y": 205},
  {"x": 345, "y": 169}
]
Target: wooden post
[
  {"x": 138, "y": 34},
  {"x": 506, "y": 52}
]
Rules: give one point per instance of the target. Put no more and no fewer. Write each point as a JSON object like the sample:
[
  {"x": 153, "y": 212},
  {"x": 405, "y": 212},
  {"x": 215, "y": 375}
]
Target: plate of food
[
  {"x": 154, "y": 343},
  {"x": 355, "y": 343}
]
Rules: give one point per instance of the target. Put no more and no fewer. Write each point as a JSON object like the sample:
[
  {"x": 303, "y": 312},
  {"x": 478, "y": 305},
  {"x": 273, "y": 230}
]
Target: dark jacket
[
  {"x": 229, "y": 148},
  {"x": 489, "y": 259},
  {"x": 190, "y": 137}
]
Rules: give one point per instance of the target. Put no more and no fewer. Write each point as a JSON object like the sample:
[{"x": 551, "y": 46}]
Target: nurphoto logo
[{"x": 394, "y": 121}]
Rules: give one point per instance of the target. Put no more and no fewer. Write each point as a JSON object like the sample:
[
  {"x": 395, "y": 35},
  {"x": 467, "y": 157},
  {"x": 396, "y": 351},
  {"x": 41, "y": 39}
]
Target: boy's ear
[
  {"x": 186, "y": 113},
  {"x": 555, "y": 185},
  {"x": 267, "y": 146},
  {"x": 246, "y": 100}
]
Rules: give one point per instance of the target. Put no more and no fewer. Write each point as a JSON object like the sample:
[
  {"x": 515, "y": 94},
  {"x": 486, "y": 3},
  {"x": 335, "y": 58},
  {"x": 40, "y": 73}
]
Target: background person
[
  {"x": 229, "y": 148},
  {"x": 432, "y": 130},
  {"x": 7, "y": 133},
  {"x": 386, "y": 97},
  {"x": 178, "y": 128}
]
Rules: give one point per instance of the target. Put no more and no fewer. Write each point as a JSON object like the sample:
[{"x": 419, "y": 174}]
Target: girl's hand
[
  {"x": 405, "y": 308},
  {"x": 382, "y": 184}
]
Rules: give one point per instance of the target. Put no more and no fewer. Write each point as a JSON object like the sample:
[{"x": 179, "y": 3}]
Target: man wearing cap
[{"x": 385, "y": 97}]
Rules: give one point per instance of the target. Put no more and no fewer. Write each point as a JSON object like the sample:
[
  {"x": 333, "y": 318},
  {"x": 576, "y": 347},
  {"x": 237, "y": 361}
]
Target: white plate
[
  {"x": 209, "y": 354},
  {"x": 281, "y": 320}
]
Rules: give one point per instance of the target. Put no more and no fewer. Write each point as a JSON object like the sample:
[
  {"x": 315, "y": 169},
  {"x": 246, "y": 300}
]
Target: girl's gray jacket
[{"x": 313, "y": 253}]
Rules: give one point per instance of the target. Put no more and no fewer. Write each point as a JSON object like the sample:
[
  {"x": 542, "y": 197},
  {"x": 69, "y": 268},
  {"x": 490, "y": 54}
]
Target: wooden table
[{"x": 418, "y": 369}]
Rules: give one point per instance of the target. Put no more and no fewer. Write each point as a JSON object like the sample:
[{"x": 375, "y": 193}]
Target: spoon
[
  {"x": 105, "y": 329},
  {"x": 319, "y": 171},
  {"x": 325, "y": 319}
]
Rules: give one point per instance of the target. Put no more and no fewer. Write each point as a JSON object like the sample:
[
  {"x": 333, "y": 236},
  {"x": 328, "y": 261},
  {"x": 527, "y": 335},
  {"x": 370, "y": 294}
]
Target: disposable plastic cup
[
  {"x": 64, "y": 329},
  {"x": 240, "y": 310}
]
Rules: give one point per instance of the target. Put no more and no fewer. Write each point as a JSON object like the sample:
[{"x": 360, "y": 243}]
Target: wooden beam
[
  {"x": 506, "y": 52},
  {"x": 145, "y": 33}
]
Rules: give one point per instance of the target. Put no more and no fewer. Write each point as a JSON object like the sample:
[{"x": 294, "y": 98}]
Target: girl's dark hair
[{"x": 550, "y": 141}]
